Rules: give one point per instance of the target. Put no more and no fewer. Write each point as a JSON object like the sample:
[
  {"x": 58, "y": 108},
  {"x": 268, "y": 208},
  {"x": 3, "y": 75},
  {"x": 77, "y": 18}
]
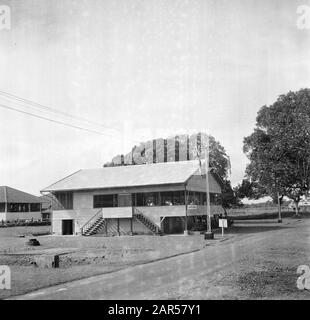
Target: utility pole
[
  {"x": 209, "y": 234},
  {"x": 186, "y": 215}
]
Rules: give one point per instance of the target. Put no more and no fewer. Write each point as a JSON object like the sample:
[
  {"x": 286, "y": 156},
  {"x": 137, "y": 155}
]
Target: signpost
[{"x": 223, "y": 224}]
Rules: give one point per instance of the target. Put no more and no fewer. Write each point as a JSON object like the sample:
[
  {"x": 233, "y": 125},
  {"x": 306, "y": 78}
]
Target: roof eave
[{"x": 115, "y": 187}]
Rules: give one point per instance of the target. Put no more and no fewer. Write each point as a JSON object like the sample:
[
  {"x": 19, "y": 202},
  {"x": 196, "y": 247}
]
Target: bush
[{"x": 23, "y": 223}]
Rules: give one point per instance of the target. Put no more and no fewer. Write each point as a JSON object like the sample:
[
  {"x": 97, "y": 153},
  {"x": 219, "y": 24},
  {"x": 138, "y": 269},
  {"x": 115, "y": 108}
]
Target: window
[
  {"x": 167, "y": 198},
  {"x": 178, "y": 198},
  {"x": 105, "y": 201},
  {"x": 18, "y": 207},
  {"x": 204, "y": 198},
  {"x": 65, "y": 200},
  {"x": 215, "y": 198},
  {"x": 150, "y": 199},
  {"x": 35, "y": 207},
  {"x": 139, "y": 200},
  {"x": 193, "y": 198}
]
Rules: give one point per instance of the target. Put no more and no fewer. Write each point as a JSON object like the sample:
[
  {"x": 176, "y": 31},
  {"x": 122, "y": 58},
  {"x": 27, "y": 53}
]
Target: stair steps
[
  {"x": 140, "y": 217},
  {"x": 94, "y": 228}
]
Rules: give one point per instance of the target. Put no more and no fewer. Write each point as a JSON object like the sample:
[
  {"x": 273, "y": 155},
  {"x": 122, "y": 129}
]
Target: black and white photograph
[{"x": 154, "y": 150}]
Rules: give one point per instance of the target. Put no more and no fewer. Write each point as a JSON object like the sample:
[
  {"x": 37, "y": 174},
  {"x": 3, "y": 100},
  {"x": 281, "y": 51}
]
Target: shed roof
[
  {"x": 128, "y": 176},
  {"x": 11, "y": 195}
]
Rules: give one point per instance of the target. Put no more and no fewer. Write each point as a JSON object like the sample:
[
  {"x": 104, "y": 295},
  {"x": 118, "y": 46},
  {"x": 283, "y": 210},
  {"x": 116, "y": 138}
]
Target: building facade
[
  {"x": 140, "y": 199},
  {"x": 16, "y": 205}
]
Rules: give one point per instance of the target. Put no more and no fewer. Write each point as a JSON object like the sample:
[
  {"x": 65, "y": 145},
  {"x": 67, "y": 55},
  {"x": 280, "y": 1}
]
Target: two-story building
[{"x": 136, "y": 199}]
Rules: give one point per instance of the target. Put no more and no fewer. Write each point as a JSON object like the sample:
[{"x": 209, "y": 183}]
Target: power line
[
  {"x": 58, "y": 122},
  {"x": 39, "y": 105},
  {"x": 51, "y": 120}
]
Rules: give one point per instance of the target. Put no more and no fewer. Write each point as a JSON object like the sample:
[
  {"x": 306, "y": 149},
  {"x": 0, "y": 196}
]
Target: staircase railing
[
  {"x": 91, "y": 221},
  {"x": 146, "y": 221}
]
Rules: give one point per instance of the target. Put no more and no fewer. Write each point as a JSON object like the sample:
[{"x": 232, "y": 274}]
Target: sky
[{"x": 137, "y": 70}]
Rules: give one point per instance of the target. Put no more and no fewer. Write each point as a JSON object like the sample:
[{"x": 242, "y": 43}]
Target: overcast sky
[{"x": 142, "y": 69}]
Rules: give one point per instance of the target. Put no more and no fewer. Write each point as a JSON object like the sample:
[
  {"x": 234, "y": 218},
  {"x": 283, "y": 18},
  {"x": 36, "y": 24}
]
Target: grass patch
[
  {"x": 284, "y": 214},
  {"x": 272, "y": 283}
]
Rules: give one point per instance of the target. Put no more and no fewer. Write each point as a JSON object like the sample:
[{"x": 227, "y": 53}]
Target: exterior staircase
[
  {"x": 94, "y": 225},
  {"x": 140, "y": 217}
]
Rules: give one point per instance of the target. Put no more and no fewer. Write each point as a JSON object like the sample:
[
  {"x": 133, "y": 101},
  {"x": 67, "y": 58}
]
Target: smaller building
[{"x": 16, "y": 205}]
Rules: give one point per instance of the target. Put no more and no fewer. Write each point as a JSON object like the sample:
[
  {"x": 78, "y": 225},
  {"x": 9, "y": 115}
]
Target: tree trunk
[
  {"x": 296, "y": 208},
  {"x": 279, "y": 207}
]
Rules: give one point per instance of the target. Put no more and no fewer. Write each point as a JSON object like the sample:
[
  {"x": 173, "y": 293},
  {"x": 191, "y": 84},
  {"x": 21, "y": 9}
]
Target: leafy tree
[
  {"x": 248, "y": 189},
  {"x": 279, "y": 148},
  {"x": 143, "y": 153},
  {"x": 229, "y": 198}
]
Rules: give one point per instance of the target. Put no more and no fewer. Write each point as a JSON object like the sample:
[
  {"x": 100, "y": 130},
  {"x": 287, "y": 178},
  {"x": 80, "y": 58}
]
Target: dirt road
[{"x": 260, "y": 263}]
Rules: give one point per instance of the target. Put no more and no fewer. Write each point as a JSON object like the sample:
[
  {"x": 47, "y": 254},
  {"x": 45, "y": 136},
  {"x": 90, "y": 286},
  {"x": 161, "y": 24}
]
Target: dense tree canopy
[
  {"x": 279, "y": 147},
  {"x": 143, "y": 153},
  {"x": 229, "y": 198}
]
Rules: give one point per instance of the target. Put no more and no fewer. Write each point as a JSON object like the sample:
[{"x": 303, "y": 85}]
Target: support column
[
  {"x": 186, "y": 201},
  {"x": 159, "y": 203},
  {"x": 132, "y": 217},
  {"x": 131, "y": 226},
  {"x": 5, "y": 204}
]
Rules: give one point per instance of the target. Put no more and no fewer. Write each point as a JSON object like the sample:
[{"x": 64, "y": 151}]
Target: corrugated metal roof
[
  {"x": 11, "y": 195},
  {"x": 128, "y": 176}
]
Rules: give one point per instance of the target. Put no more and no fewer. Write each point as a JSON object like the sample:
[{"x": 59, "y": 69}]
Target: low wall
[{"x": 119, "y": 212}]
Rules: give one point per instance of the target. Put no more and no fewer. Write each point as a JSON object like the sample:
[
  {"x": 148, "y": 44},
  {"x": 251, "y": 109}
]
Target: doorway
[
  {"x": 67, "y": 227},
  {"x": 173, "y": 225}
]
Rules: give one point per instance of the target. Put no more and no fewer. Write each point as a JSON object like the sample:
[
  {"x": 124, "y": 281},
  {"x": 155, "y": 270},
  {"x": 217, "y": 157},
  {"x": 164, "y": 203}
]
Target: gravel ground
[
  {"x": 266, "y": 266},
  {"x": 90, "y": 255},
  {"x": 255, "y": 260}
]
